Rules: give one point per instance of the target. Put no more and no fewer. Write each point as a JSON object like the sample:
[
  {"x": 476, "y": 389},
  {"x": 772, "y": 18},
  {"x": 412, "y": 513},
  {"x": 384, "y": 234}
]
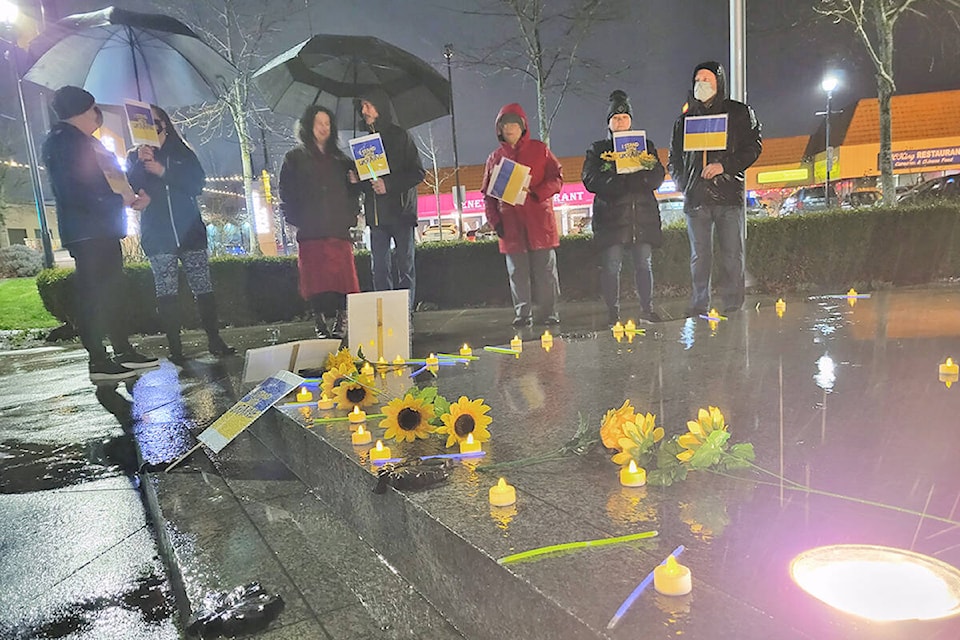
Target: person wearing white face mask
[{"x": 712, "y": 183}]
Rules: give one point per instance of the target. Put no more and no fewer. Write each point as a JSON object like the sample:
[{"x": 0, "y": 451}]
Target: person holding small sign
[
  {"x": 714, "y": 141},
  {"x": 172, "y": 232},
  {"x": 626, "y": 216},
  {"x": 520, "y": 178}
]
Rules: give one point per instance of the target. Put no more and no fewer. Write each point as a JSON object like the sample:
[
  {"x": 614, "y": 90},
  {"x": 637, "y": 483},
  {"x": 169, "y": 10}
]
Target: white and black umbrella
[
  {"x": 117, "y": 54},
  {"x": 332, "y": 70}
]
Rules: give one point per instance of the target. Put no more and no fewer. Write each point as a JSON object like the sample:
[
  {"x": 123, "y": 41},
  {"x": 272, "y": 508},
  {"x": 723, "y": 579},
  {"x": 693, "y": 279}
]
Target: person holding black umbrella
[
  {"x": 92, "y": 196},
  {"x": 317, "y": 188},
  {"x": 172, "y": 232},
  {"x": 390, "y": 204}
]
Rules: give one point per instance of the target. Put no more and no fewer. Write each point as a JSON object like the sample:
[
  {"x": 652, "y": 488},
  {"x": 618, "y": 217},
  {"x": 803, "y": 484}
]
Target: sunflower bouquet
[{"x": 647, "y": 160}]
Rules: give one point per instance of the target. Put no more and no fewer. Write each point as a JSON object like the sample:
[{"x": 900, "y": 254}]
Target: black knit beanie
[
  {"x": 71, "y": 101},
  {"x": 619, "y": 103}
]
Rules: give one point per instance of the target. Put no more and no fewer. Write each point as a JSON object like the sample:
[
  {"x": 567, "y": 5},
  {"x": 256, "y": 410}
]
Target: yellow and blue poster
[
  {"x": 108, "y": 164},
  {"x": 509, "y": 182},
  {"x": 249, "y": 408},
  {"x": 370, "y": 156},
  {"x": 143, "y": 130},
  {"x": 629, "y": 146},
  {"x": 705, "y": 133}
]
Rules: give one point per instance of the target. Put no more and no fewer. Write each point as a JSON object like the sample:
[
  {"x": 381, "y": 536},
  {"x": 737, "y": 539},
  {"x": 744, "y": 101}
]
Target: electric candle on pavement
[
  {"x": 358, "y": 415},
  {"x": 546, "y": 341},
  {"x": 432, "y": 360},
  {"x": 304, "y": 395},
  {"x": 672, "y": 578},
  {"x": 502, "y": 494},
  {"x": 465, "y": 350},
  {"x": 469, "y": 445},
  {"x": 379, "y": 452},
  {"x": 325, "y": 403},
  {"x": 360, "y": 436},
  {"x": 630, "y": 327},
  {"x": 399, "y": 361},
  {"x": 949, "y": 372},
  {"x": 781, "y": 307},
  {"x": 516, "y": 344},
  {"x": 366, "y": 369},
  {"x": 381, "y": 363},
  {"x": 852, "y": 297},
  {"x": 633, "y": 476}
]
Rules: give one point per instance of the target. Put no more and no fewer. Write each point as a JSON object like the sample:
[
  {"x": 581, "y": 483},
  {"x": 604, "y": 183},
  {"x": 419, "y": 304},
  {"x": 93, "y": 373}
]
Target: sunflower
[
  {"x": 407, "y": 418},
  {"x": 708, "y": 421},
  {"x": 465, "y": 417},
  {"x": 611, "y": 427},
  {"x": 639, "y": 436},
  {"x": 341, "y": 357},
  {"x": 350, "y": 394},
  {"x": 334, "y": 376}
]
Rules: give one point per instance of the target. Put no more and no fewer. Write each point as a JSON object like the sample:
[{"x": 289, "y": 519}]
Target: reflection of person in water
[{"x": 537, "y": 391}]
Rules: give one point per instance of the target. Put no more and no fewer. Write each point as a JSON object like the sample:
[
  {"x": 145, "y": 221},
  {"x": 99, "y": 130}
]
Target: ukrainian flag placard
[
  {"x": 509, "y": 182},
  {"x": 370, "y": 157},
  {"x": 705, "y": 133},
  {"x": 629, "y": 146},
  {"x": 143, "y": 130},
  {"x": 249, "y": 408}
]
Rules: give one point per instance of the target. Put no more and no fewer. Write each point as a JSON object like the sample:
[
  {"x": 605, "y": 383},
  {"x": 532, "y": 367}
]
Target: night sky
[{"x": 659, "y": 40}]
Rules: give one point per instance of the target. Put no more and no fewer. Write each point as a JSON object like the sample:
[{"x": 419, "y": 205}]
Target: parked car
[
  {"x": 861, "y": 198},
  {"x": 433, "y": 232},
  {"x": 947, "y": 186},
  {"x": 807, "y": 199}
]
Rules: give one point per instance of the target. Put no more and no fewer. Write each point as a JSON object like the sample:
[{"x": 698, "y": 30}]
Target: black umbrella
[
  {"x": 116, "y": 55},
  {"x": 331, "y": 70}
]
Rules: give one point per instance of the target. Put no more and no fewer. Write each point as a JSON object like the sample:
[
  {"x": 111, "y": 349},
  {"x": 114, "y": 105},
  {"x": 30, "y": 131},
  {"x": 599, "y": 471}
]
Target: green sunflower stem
[{"x": 568, "y": 546}]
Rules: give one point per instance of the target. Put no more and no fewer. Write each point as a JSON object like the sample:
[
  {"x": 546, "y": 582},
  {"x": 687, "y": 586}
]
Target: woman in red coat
[{"x": 528, "y": 232}]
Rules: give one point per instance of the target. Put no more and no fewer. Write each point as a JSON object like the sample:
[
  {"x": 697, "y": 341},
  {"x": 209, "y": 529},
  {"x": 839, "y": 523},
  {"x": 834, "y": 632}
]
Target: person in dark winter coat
[
  {"x": 528, "y": 232},
  {"x": 92, "y": 219},
  {"x": 172, "y": 232},
  {"x": 390, "y": 202},
  {"x": 626, "y": 216},
  {"x": 713, "y": 187},
  {"x": 317, "y": 188}
]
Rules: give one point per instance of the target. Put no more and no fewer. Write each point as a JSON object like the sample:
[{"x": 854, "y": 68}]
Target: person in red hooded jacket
[{"x": 528, "y": 232}]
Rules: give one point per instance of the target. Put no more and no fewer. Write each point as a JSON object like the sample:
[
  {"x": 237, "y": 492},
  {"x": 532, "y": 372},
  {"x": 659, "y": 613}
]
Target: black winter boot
[
  {"x": 340, "y": 325},
  {"x": 207, "y": 306},
  {"x": 168, "y": 308}
]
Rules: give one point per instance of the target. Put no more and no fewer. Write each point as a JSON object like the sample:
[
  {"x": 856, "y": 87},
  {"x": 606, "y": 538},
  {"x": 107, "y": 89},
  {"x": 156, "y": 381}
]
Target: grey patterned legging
[{"x": 166, "y": 277}]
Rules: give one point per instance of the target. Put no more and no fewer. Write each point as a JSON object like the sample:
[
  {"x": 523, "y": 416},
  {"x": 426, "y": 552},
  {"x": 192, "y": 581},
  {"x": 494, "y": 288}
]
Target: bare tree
[
  {"x": 430, "y": 149},
  {"x": 875, "y": 22},
  {"x": 545, "y": 46}
]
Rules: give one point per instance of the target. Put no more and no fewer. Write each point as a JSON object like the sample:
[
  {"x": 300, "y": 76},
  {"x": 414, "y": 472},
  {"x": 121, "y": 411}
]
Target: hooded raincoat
[{"x": 532, "y": 225}]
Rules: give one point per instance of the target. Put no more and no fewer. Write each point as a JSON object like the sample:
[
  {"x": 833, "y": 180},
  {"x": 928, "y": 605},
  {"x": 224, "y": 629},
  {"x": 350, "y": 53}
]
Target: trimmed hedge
[{"x": 834, "y": 249}]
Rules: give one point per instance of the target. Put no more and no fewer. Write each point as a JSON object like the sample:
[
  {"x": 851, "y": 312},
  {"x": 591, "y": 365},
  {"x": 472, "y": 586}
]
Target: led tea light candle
[
  {"x": 358, "y": 415},
  {"x": 325, "y": 403},
  {"x": 360, "y": 436},
  {"x": 516, "y": 344},
  {"x": 630, "y": 327},
  {"x": 432, "y": 360},
  {"x": 781, "y": 307},
  {"x": 949, "y": 372},
  {"x": 502, "y": 494},
  {"x": 379, "y": 452},
  {"x": 366, "y": 369},
  {"x": 852, "y": 297},
  {"x": 304, "y": 395},
  {"x": 399, "y": 361},
  {"x": 672, "y": 578},
  {"x": 633, "y": 476},
  {"x": 617, "y": 330},
  {"x": 546, "y": 341},
  {"x": 381, "y": 363},
  {"x": 469, "y": 445},
  {"x": 465, "y": 350}
]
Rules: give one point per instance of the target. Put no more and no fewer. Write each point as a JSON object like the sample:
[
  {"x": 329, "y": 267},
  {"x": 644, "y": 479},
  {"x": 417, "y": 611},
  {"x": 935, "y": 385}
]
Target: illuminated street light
[
  {"x": 9, "y": 13},
  {"x": 828, "y": 84}
]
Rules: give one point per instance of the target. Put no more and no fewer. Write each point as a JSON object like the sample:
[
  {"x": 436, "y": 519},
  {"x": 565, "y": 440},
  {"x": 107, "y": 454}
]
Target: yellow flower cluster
[
  {"x": 639, "y": 436},
  {"x": 464, "y": 418},
  {"x": 708, "y": 421}
]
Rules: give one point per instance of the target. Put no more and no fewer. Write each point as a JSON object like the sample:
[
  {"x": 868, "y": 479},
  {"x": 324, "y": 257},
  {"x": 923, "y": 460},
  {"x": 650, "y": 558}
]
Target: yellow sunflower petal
[
  {"x": 622, "y": 458},
  {"x": 695, "y": 428},
  {"x": 658, "y": 434},
  {"x": 683, "y": 456},
  {"x": 689, "y": 441}
]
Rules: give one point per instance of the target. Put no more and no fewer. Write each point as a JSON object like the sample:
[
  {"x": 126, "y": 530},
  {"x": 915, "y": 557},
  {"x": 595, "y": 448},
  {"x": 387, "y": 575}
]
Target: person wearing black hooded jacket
[
  {"x": 712, "y": 183},
  {"x": 390, "y": 201},
  {"x": 626, "y": 216}
]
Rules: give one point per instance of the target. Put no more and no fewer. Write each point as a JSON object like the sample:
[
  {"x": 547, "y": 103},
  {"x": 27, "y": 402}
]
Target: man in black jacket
[
  {"x": 626, "y": 216},
  {"x": 713, "y": 187},
  {"x": 390, "y": 203},
  {"x": 92, "y": 220}
]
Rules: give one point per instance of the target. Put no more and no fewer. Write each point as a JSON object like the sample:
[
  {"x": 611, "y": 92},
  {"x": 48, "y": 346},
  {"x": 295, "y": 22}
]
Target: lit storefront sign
[
  {"x": 913, "y": 158},
  {"x": 786, "y": 175},
  {"x": 571, "y": 195}
]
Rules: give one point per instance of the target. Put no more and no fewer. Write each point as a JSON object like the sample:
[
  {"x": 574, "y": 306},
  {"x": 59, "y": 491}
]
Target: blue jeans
[
  {"x": 731, "y": 236},
  {"x": 539, "y": 268},
  {"x": 382, "y": 265},
  {"x": 612, "y": 257}
]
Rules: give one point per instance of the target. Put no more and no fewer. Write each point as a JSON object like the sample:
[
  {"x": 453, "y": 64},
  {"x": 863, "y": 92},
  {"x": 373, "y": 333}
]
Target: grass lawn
[{"x": 21, "y": 307}]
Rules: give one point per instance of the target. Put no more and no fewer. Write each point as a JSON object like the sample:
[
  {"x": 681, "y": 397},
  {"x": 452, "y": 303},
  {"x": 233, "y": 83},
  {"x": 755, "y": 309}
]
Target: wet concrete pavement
[{"x": 842, "y": 399}]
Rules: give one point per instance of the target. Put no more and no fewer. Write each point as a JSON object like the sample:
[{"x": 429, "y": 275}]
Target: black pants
[{"x": 98, "y": 289}]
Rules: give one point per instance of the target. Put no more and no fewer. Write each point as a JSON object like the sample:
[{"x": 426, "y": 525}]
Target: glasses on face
[{"x": 160, "y": 128}]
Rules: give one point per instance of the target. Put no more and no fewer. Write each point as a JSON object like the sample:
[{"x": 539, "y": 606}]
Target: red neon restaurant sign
[{"x": 571, "y": 195}]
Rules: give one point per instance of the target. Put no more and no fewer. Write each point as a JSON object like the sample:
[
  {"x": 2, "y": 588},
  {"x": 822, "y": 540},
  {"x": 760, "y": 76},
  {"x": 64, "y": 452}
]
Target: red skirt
[{"x": 326, "y": 264}]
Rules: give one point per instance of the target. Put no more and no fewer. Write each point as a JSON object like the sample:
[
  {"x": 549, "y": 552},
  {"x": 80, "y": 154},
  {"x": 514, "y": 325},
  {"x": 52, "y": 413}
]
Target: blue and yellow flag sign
[
  {"x": 509, "y": 182},
  {"x": 249, "y": 408},
  {"x": 370, "y": 157},
  {"x": 143, "y": 129},
  {"x": 705, "y": 133},
  {"x": 629, "y": 146}
]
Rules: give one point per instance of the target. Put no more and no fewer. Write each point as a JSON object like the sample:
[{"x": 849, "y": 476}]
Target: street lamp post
[
  {"x": 8, "y": 19},
  {"x": 828, "y": 84},
  {"x": 457, "y": 200}
]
